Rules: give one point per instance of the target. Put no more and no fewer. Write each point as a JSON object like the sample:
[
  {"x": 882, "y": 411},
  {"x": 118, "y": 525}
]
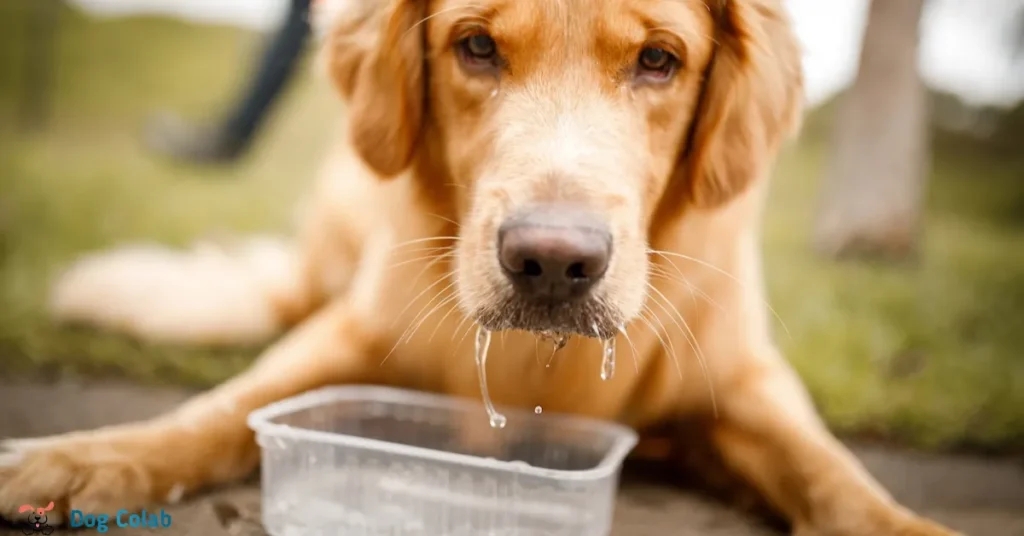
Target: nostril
[
  {"x": 576, "y": 271},
  {"x": 532, "y": 268}
]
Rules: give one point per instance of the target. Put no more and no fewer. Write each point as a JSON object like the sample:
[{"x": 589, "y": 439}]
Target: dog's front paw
[{"x": 95, "y": 472}]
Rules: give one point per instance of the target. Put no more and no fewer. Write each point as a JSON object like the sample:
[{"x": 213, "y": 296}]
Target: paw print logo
[{"x": 37, "y": 520}]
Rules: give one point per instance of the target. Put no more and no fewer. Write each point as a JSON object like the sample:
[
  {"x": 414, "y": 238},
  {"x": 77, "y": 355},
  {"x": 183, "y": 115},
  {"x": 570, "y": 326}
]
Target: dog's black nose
[{"x": 555, "y": 252}]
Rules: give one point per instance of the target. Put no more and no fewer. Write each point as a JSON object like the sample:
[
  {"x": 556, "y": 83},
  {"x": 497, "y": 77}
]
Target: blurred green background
[{"x": 928, "y": 352}]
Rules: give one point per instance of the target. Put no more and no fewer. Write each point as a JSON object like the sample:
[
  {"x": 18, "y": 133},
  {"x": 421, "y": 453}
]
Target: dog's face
[
  {"x": 563, "y": 129},
  {"x": 36, "y": 516}
]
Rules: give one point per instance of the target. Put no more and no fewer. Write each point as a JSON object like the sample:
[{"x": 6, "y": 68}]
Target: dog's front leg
[
  {"x": 768, "y": 433},
  {"x": 205, "y": 441}
]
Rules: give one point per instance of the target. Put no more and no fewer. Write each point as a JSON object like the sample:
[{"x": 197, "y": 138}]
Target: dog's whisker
[
  {"x": 650, "y": 325},
  {"x": 467, "y": 331},
  {"x": 422, "y": 240},
  {"x": 422, "y": 258},
  {"x": 401, "y": 338},
  {"x": 647, "y": 323},
  {"x": 458, "y": 327},
  {"x": 429, "y": 265},
  {"x": 449, "y": 220},
  {"x": 667, "y": 254},
  {"x": 417, "y": 321},
  {"x": 632, "y": 348},
  {"x": 694, "y": 291},
  {"x": 430, "y": 260},
  {"x": 443, "y": 318},
  {"x": 414, "y": 261},
  {"x": 664, "y": 328},
  {"x": 428, "y": 248},
  {"x": 670, "y": 347},
  {"x": 691, "y": 339},
  {"x": 412, "y": 301},
  {"x": 662, "y": 272},
  {"x": 671, "y": 310},
  {"x": 436, "y": 308},
  {"x": 420, "y": 318},
  {"x": 658, "y": 271}
]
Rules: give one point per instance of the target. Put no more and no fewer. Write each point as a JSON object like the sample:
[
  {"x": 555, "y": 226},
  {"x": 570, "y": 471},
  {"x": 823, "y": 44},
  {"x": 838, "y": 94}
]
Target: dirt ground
[{"x": 980, "y": 497}]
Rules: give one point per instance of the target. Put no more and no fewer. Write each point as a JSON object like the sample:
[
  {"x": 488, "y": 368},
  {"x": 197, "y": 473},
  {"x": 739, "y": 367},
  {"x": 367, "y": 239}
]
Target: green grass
[{"x": 928, "y": 354}]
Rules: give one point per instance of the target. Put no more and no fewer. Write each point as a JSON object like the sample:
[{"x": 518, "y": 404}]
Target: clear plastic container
[{"x": 365, "y": 460}]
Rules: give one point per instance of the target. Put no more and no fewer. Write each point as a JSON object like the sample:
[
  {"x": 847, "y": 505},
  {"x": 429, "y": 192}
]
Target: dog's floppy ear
[
  {"x": 751, "y": 99},
  {"x": 375, "y": 57},
  {"x": 25, "y": 508}
]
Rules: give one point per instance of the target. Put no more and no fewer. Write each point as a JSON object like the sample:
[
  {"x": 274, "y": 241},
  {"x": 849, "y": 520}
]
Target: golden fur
[{"x": 396, "y": 261}]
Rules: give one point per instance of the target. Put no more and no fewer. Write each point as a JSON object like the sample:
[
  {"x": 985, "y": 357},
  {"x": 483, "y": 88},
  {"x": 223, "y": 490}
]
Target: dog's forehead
[{"x": 567, "y": 23}]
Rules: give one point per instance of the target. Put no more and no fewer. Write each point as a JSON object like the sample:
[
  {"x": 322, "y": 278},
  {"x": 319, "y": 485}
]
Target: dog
[
  {"x": 37, "y": 520},
  {"x": 584, "y": 168}
]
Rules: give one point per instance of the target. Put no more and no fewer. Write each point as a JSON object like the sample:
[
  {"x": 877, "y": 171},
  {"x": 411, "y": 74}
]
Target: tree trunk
[{"x": 874, "y": 189}]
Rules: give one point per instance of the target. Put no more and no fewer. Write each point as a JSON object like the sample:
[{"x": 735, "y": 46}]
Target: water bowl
[{"x": 368, "y": 461}]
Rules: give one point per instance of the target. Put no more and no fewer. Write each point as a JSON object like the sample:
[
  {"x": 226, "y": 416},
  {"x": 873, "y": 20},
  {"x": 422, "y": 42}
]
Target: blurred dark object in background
[{"x": 227, "y": 141}]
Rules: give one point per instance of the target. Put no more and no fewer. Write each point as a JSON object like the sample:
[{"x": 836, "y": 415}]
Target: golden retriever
[{"x": 591, "y": 168}]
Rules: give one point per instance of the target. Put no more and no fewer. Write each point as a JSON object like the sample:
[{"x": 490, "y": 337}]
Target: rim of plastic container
[{"x": 260, "y": 422}]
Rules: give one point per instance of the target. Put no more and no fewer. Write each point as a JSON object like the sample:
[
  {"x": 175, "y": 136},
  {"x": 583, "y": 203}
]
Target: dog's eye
[
  {"x": 656, "y": 64},
  {"x": 478, "y": 52},
  {"x": 481, "y": 46}
]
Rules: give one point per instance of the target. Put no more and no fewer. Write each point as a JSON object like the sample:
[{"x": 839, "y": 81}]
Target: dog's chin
[{"x": 588, "y": 317}]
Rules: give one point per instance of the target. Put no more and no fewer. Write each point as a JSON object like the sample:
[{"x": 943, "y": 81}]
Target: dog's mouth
[{"x": 554, "y": 319}]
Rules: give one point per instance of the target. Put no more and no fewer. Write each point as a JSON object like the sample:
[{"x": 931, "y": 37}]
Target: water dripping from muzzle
[
  {"x": 559, "y": 340},
  {"x": 608, "y": 359},
  {"x": 483, "y": 343}
]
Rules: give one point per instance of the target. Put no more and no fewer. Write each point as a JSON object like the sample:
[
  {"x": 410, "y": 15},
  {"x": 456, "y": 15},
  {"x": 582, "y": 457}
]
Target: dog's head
[
  {"x": 558, "y": 131},
  {"x": 36, "y": 516}
]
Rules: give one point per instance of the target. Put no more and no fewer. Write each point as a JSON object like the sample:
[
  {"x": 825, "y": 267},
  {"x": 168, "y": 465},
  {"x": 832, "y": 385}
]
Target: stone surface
[{"x": 980, "y": 497}]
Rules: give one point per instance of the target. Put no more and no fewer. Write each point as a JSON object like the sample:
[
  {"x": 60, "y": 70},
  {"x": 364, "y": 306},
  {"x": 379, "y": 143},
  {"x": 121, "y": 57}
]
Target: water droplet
[
  {"x": 497, "y": 420},
  {"x": 559, "y": 340},
  {"x": 538, "y": 410},
  {"x": 608, "y": 359},
  {"x": 483, "y": 343}
]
